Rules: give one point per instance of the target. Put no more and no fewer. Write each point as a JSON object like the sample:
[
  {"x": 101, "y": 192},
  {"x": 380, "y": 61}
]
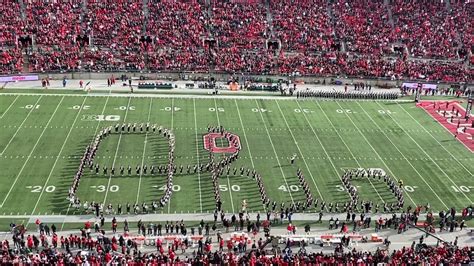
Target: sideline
[{"x": 193, "y": 96}]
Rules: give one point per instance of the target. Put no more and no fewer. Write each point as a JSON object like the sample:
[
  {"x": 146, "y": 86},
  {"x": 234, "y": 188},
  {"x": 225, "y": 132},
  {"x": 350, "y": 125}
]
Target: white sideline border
[{"x": 196, "y": 96}]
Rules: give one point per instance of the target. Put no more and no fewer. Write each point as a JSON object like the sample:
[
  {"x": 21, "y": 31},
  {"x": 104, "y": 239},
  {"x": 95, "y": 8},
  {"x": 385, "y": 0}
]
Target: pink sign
[{"x": 19, "y": 78}]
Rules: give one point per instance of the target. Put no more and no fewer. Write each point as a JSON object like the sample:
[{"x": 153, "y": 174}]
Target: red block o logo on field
[{"x": 232, "y": 139}]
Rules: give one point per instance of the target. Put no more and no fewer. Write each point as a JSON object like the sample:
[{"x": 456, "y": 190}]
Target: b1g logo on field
[{"x": 109, "y": 118}]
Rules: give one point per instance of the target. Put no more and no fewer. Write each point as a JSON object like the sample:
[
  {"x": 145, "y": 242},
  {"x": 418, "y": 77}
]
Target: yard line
[
  {"x": 378, "y": 155},
  {"x": 424, "y": 128},
  {"x": 246, "y": 140},
  {"x": 197, "y": 154},
  {"x": 32, "y": 150},
  {"x": 172, "y": 126},
  {"x": 345, "y": 144},
  {"x": 275, "y": 153},
  {"x": 429, "y": 157},
  {"x": 21, "y": 125},
  {"x": 404, "y": 157},
  {"x": 116, "y": 152},
  {"x": 93, "y": 137},
  {"x": 144, "y": 149},
  {"x": 297, "y": 146},
  {"x": 57, "y": 157},
  {"x": 228, "y": 180},
  {"x": 16, "y": 98},
  {"x": 245, "y": 134},
  {"x": 320, "y": 143}
]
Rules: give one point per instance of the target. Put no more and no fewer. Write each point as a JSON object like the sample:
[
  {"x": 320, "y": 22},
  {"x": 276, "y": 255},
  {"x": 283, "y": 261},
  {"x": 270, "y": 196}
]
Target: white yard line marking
[
  {"x": 21, "y": 125},
  {"x": 10, "y": 106},
  {"x": 116, "y": 152},
  {"x": 428, "y": 156},
  {"x": 93, "y": 137},
  {"x": 378, "y": 155},
  {"x": 57, "y": 158},
  {"x": 246, "y": 140},
  {"x": 197, "y": 154},
  {"x": 29, "y": 155},
  {"x": 299, "y": 150},
  {"x": 405, "y": 158},
  {"x": 172, "y": 128},
  {"x": 274, "y": 152},
  {"x": 424, "y": 128},
  {"x": 320, "y": 142},
  {"x": 228, "y": 180},
  {"x": 144, "y": 150},
  {"x": 347, "y": 147}
]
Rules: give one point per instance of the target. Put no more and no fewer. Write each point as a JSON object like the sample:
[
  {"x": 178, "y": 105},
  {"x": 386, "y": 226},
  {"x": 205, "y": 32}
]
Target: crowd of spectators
[
  {"x": 174, "y": 242},
  {"x": 251, "y": 62},
  {"x": 428, "y": 30},
  {"x": 53, "y": 23},
  {"x": 115, "y": 23},
  {"x": 176, "y": 24},
  {"x": 239, "y": 25},
  {"x": 342, "y": 64},
  {"x": 362, "y": 31},
  {"x": 55, "y": 58},
  {"x": 407, "y": 256},
  {"x": 187, "y": 58},
  {"x": 302, "y": 25},
  {"x": 462, "y": 17},
  {"x": 341, "y": 38},
  {"x": 115, "y": 28},
  {"x": 11, "y": 60},
  {"x": 11, "y": 25}
]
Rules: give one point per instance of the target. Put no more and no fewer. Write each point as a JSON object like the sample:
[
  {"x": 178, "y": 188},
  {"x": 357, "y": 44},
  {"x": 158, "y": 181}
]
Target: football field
[{"x": 43, "y": 137}]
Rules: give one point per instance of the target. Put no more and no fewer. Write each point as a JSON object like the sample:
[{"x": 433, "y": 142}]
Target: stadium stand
[
  {"x": 53, "y": 23},
  {"x": 362, "y": 31},
  {"x": 10, "y": 26},
  {"x": 383, "y": 39},
  {"x": 11, "y": 60},
  {"x": 427, "y": 30},
  {"x": 302, "y": 26}
]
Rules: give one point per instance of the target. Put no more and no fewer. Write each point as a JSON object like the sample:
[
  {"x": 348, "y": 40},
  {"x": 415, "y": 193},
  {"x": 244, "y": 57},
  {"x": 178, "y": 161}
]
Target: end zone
[{"x": 452, "y": 117}]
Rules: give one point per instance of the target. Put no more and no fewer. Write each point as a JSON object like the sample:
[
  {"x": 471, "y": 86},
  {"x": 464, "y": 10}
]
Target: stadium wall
[{"x": 225, "y": 77}]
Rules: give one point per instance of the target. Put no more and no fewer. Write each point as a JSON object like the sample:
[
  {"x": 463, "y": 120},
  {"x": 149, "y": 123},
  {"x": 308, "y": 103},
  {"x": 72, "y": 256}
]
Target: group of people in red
[
  {"x": 93, "y": 245},
  {"x": 76, "y": 249},
  {"x": 355, "y": 38}
]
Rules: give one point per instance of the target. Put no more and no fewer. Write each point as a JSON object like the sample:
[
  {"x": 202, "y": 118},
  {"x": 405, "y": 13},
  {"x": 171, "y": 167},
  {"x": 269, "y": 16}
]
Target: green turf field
[{"x": 43, "y": 137}]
